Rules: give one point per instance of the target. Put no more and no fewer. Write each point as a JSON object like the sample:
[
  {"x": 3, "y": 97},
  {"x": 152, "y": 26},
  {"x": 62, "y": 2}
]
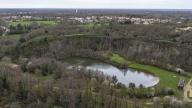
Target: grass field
[
  {"x": 11, "y": 37},
  {"x": 118, "y": 59},
  {"x": 167, "y": 78},
  {"x": 30, "y": 22}
]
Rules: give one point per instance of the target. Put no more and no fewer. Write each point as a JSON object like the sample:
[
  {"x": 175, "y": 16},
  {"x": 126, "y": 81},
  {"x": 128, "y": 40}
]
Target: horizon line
[{"x": 105, "y": 8}]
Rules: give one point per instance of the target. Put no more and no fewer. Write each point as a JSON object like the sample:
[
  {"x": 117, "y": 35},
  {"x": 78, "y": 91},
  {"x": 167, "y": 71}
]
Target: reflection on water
[{"x": 125, "y": 76}]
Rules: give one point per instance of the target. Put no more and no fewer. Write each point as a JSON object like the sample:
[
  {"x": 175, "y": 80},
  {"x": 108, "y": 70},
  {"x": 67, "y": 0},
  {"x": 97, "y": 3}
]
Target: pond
[{"x": 124, "y": 76}]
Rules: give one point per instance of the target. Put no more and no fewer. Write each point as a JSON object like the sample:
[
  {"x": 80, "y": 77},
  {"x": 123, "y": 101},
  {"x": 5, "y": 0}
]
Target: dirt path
[{"x": 188, "y": 88}]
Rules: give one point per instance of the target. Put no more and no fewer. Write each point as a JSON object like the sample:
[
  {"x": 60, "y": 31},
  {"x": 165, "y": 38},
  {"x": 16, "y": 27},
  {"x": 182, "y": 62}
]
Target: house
[
  {"x": 5, "y": 30},
  {"x": 181, "y": 84},
  {"x": 183, "y": 29}
]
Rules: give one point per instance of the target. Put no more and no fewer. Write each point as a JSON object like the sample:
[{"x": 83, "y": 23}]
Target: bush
[
  {"x": 45, "y": 66},
  {"x": 168, "y": 91},
  {"x": 132, "y": 85},
  {"x": 120, "y": 85}
]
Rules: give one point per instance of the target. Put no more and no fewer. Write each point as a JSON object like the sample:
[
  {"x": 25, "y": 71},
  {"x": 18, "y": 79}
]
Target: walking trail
[{"x": 188, "y": 92}]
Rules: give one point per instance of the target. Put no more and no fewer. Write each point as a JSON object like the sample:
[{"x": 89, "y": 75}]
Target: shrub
[
  {"x": 168, "y": 91},
  {"x": 132, "y": 85}
]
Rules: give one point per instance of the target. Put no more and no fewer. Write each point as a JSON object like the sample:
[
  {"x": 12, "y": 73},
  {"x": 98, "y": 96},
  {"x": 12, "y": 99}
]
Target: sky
[{"x": 118, "y": 4}]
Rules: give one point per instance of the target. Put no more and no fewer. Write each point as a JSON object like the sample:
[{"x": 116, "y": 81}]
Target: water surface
[{"x": 125, "y": 76}]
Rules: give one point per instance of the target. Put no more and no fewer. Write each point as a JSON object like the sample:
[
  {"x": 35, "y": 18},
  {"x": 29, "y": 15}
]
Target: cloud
[{"x": 180, "y": 4}]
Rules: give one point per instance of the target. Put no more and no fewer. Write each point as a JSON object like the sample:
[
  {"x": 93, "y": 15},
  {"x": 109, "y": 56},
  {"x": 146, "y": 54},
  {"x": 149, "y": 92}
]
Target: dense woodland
[
  {"x": 160, "y": 45},
  {"x": 33, "y": 74}
]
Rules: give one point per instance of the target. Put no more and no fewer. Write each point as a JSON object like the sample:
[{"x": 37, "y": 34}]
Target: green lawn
[
  {"x": 118, "y": 59},
  {"x": 15, "y": 23},
  {"x": 167, "y": 78},
  {"x": 12, "y": 37}
]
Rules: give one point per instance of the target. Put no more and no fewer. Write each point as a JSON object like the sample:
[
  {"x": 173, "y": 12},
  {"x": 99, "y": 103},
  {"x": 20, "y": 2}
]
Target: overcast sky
[{"x": 126, "y": 4}]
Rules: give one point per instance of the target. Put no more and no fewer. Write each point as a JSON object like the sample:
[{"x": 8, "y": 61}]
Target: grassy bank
[
  {"x": 167, "y": 78},
  {"x": 118, "y": 59}
]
